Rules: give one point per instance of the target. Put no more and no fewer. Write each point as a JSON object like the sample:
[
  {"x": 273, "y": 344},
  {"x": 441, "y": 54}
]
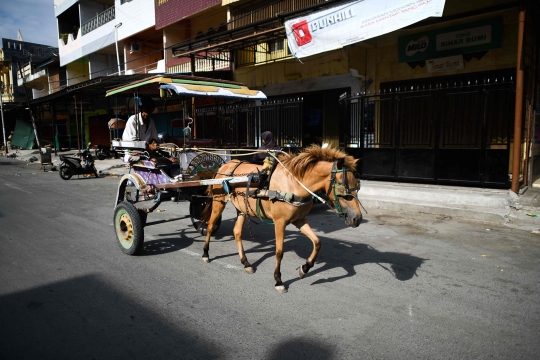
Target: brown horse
[{"x": 318, "y": 169}]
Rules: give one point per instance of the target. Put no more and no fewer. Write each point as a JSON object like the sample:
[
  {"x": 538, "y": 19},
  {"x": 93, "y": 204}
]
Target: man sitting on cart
[
  {"x": 158, "y": 156},
  {"x": 141, "y": 126}
]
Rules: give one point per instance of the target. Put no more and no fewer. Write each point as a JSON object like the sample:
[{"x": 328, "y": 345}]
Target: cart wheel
[
  {"x": 129, "y": 228},
  {"x": 65, "y": 172},
  {"x": 196, "y": 207}
]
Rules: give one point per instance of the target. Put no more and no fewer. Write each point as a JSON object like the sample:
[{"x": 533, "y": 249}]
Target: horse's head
[{"x": 342, "y": 192}]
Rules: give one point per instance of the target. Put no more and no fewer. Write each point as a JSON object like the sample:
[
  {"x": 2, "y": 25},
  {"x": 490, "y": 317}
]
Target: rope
[{"x": 298, "y": 181}]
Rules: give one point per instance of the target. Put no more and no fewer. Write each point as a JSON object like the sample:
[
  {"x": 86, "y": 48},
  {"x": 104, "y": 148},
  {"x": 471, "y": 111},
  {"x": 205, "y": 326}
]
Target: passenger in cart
[{"x": 158, "y": 156}]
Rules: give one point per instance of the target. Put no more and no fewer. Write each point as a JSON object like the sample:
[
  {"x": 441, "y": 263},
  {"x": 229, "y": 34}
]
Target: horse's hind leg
[
  {"x": 305, "y": 229},
  {"x": 237, "y": 231},
  {"x": 217, "y": 208},
  {"x": 280, "y": 238}
]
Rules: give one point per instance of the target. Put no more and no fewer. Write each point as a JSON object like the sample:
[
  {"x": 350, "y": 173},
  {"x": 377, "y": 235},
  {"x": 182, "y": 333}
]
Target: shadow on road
[
  {"x": 335, "y": 252},
  {"x": 86, "y": 318},
  {"x": 302, "y": 348}
]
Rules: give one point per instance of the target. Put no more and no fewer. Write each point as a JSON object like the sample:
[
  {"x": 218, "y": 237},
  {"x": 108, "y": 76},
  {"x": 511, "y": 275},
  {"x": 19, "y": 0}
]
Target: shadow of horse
[
  {"x": 335, "y": 253},
  {"x": 343, "y": 254}
]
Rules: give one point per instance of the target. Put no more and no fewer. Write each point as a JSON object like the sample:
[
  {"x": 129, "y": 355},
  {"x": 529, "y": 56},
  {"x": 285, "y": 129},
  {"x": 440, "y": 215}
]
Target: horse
[{"x": 293, "y": 183}]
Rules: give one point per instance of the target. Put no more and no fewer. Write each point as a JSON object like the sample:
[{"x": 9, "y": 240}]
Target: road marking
[
  {"x": 224, "y": 264},
  {"x": 17, "y": 188}
]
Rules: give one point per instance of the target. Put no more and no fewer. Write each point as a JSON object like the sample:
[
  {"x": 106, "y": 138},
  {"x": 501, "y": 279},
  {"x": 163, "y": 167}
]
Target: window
[{"x": 276, "y": 45}]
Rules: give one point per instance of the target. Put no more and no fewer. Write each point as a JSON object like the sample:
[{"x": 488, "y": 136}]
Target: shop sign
[
  {"x": 445, "y": 64},
  {"x": 353, "y": 22},
  {"x": 456, "y": 40}
]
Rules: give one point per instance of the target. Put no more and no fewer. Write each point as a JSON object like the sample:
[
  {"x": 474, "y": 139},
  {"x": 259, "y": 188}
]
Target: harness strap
[
  {"x": 287, "y": 197},
  {"x": 259, "y": 213}
]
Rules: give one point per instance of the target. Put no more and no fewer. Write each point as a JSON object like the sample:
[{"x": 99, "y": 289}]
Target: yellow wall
[
  {"x": 378, "y": 59},
  {"x": 383, "y": 65},
  {"x": 325, "y": 64},
  {"x": 77, "y": 71}
]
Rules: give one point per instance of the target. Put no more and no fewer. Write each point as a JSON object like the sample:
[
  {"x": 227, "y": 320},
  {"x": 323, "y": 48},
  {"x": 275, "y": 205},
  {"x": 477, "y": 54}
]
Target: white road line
[{"x": 17, "y": 188}]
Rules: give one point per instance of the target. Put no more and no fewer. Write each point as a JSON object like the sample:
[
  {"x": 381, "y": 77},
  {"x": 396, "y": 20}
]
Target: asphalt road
[{"x": 400, "y": 286}]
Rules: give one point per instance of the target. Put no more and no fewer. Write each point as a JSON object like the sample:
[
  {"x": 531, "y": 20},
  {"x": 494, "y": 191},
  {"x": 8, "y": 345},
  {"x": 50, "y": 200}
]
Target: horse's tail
[{"x": 207, "y": 211}]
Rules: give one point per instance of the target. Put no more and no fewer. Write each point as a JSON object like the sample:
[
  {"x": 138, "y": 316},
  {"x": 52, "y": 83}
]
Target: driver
[{"x": 147, "y": 128}]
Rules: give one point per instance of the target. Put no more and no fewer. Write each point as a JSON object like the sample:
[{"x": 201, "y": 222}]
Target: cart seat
[{"x": 156, "y": 174}]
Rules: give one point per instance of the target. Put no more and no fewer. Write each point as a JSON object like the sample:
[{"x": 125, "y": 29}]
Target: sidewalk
[{"x": 488, "y": 205}]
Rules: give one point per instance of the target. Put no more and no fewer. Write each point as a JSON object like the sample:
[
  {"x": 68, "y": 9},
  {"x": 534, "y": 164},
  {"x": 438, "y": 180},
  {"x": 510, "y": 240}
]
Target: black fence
[
  {"x": 241, "y": 124},
  {"x": 455, "y": 131}
]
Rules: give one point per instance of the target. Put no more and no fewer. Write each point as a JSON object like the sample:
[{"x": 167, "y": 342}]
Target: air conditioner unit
[{"x": 135, "y": 48}]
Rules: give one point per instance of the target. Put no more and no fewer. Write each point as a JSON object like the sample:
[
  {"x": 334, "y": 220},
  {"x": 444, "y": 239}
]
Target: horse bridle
[{"x": 340, "y": 189}]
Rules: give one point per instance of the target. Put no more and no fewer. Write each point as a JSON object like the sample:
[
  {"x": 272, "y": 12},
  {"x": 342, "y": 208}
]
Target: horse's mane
[{"x": 305, "y": 161}]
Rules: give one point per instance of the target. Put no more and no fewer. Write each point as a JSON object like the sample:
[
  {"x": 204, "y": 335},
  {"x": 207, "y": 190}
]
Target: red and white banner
[{"x": 354, "y": 22}]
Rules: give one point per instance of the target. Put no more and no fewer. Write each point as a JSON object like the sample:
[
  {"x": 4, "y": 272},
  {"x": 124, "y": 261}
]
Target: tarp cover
[{"x": 23, "y": 135}]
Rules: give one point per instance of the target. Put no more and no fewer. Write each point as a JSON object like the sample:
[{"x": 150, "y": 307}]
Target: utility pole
[
  {"x": 116, "y": 41},
  {"x": 2, "y": 110}
]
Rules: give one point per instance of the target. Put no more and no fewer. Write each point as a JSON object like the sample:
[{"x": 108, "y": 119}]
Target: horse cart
[
  {"x": 148, "y": 184},
  {"x": 286, "y": 183}
]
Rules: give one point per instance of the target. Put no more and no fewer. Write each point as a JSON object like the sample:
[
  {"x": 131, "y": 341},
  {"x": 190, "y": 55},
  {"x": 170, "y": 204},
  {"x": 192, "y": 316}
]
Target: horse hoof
[
  {"x": 249, "y": 270},
  {"x": 281, "y": 289},
  {"x": 301, "y": 273},
  {"x": 206, "y": 260}
]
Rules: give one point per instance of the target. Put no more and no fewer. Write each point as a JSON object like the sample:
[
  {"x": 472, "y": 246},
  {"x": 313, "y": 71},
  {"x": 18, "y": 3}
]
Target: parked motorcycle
[
  {"x": 102, "y": 152},
  {"x": 82, "y": 165}
]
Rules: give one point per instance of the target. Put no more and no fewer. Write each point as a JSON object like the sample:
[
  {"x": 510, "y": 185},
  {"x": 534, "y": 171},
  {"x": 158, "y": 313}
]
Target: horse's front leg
[
  {"x": 305, "y": 229},
  {"x": 237, "y": 231},
  {"x": 217, "y": 207},
  {"x": 280, "y": 238}
]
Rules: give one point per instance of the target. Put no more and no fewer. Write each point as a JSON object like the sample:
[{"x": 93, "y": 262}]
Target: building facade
[
  {"x": 454, "y": 113},
  {"x": 459, "y": 112}
]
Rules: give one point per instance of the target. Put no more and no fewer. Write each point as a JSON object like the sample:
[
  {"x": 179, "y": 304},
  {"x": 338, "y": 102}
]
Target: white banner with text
[{"x": 353, "y": 22}]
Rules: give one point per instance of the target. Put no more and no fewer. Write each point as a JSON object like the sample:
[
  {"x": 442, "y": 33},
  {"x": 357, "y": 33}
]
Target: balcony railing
[{"x": 98, "y": 20}]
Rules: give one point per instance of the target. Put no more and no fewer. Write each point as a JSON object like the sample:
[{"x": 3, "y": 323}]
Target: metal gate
[
  {"x": 241, "y": 124},
  {"x": 449, "y": 130}
]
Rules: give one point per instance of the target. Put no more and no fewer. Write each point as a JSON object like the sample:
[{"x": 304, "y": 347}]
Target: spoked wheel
[
  {"x": 129, "y": 228},
  {"x": 65, "y": 172},
  {"x": 196, "y": 207}
]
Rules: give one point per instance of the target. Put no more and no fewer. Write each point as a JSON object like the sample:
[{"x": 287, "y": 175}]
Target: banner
[
  {"x": 354, "y": 22},
  {"x": 456, "y": 40}
]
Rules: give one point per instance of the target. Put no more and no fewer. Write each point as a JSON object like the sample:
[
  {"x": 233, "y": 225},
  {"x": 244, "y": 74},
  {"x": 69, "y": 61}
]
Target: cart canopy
[{"x": 189, "y": 86}]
